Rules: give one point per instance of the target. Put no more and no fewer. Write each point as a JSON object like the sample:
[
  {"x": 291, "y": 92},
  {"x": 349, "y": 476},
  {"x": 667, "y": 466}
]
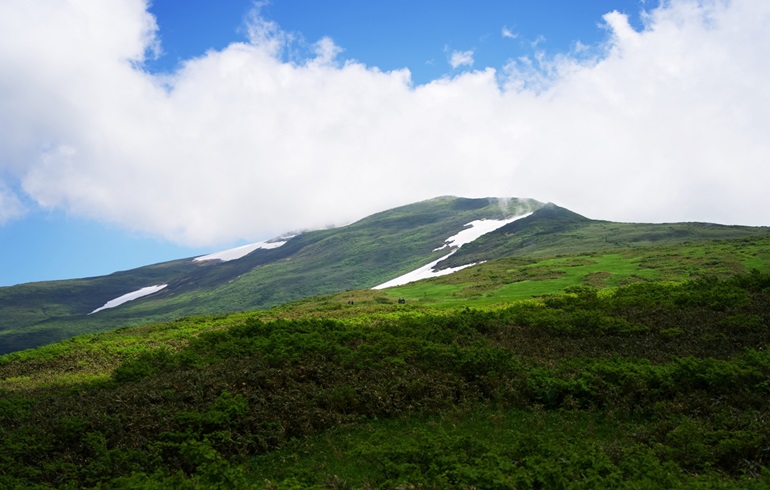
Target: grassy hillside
[
  {"x": 650, "y": 371},
  {"x": 29, "y": 313},
  {"x": 359, "y": 255},
  {"x": 516, "y": 278},
  {"x": 553, "y": 230}
]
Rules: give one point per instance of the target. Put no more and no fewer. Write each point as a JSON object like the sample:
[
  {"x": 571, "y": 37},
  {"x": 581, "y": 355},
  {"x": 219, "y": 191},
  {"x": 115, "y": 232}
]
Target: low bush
[{"x": 682, "y": 376}]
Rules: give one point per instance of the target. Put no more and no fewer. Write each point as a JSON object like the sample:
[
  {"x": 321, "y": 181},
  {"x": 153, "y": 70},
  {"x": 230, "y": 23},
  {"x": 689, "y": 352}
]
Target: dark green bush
[
  {"x": 682, "y": 374},
  {"x": 145, "y": 365}
]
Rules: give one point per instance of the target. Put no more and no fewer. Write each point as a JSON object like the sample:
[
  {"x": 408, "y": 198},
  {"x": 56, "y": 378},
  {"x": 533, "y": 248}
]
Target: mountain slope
[
  {"x": 359, "y": 255},
  {"x": 553, "y": 230}
]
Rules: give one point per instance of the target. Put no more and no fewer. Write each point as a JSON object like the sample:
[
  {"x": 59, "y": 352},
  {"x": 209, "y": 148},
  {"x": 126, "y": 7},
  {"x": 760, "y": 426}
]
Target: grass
[
  {"x": 513, "y": 278},
  {"x": 95, "y": 356}
]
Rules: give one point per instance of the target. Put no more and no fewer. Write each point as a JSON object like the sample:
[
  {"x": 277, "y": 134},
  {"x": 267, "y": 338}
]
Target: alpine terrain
[
  {"x": 441, "y": 234},
  {"x": 451, "y": 343}
]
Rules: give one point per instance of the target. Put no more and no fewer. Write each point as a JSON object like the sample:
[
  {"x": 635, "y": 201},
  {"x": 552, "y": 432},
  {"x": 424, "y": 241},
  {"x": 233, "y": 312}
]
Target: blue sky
[
  {"x": 142, "y": 133},
  {"x": 397, "y": 34}
]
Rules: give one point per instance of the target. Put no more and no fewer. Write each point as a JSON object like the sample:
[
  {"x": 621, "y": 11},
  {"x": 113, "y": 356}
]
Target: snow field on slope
[
  {"x": 242, "y": 251},
  {"x": 471, "y": 232},
  {"x": 130, "y": 297}
]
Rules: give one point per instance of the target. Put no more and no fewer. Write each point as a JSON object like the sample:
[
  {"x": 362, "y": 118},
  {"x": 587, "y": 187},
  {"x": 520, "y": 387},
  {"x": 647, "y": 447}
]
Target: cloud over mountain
[{"x": 666, "y": 123}]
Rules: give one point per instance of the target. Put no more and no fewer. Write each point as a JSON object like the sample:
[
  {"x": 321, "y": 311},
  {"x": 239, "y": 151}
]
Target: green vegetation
[
  {"x": 652, "y": 384},
  {"x": 552, "y": 231},
  {"x": 611, "y": 356},
  {"x": 515, "y": 278},
  {"x": 359, "y": 255},
  {"x": 362, "y": 255}
]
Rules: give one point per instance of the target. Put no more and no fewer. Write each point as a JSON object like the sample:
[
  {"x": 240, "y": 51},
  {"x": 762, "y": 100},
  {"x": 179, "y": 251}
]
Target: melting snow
[
  {"x": 477, "y": 228},
  {"x": 130, "y": 297},
  {"x": 473, "y": 230},
  {"x": 238, "y": 252},
  {"x": 423, "y": 272}
]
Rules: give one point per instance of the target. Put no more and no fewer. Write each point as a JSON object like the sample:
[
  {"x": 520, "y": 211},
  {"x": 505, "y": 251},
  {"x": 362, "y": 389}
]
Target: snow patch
[
  {"x": 477, "y": 228},
  {"x": 242, "y": 251},
  {"x": 471, "y": 232},
  {"x": 423, "y": 272},
  {"x": 130, "y": 297}
]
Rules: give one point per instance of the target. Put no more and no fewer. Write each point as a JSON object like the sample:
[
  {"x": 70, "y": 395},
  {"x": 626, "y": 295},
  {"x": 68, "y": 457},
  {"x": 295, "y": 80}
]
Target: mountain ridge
[{"x": 360, "y": 255}]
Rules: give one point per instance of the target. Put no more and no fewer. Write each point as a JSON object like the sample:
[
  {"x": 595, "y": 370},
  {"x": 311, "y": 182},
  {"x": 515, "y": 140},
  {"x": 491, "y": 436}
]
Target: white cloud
[
  {"x": 537, "y": 42},
  {"x": 326, "y": 51},
  {"x": 509, "y": 34},
  {"x": 265, "y": 33},
  {"x": 461, "y": 58},
  {"x": 11, "y": 207},
  {"x": 669, "y": 123}
]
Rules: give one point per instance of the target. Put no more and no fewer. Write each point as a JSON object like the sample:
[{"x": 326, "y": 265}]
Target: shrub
[{"x": 145, "y": 365}]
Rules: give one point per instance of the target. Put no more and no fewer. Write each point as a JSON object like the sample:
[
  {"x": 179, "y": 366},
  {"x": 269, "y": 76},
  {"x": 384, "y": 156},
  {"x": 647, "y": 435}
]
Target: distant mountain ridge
[{"x": 361, "y": 255}]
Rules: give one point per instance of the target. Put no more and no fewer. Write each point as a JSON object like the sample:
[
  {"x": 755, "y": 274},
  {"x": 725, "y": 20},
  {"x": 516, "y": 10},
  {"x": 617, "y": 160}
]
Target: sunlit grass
[{"x": 513, "y": 279}]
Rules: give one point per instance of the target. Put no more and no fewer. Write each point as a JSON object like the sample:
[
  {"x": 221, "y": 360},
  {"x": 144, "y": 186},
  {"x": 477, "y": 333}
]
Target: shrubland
[{"x": 649, "y": 378}]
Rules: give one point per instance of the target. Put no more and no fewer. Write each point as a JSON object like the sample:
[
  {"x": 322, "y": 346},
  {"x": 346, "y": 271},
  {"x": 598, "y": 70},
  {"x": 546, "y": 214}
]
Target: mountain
[
  {"x": 553, "y": 230},
  {"x": 580, "y": 352},
  {"x": 362, "y": 255}
]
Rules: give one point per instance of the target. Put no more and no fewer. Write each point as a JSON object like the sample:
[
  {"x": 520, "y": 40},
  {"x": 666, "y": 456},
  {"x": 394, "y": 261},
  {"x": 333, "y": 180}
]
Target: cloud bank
[{"x": 664, "y": 124}]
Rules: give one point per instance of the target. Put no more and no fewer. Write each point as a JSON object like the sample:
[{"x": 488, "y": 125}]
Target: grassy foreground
[{"x": 644, "y": 384}]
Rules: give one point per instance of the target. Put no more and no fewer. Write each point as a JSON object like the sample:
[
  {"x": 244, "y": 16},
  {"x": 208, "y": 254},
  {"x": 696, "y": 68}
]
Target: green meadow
[{"x": 511, "y": 279}]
